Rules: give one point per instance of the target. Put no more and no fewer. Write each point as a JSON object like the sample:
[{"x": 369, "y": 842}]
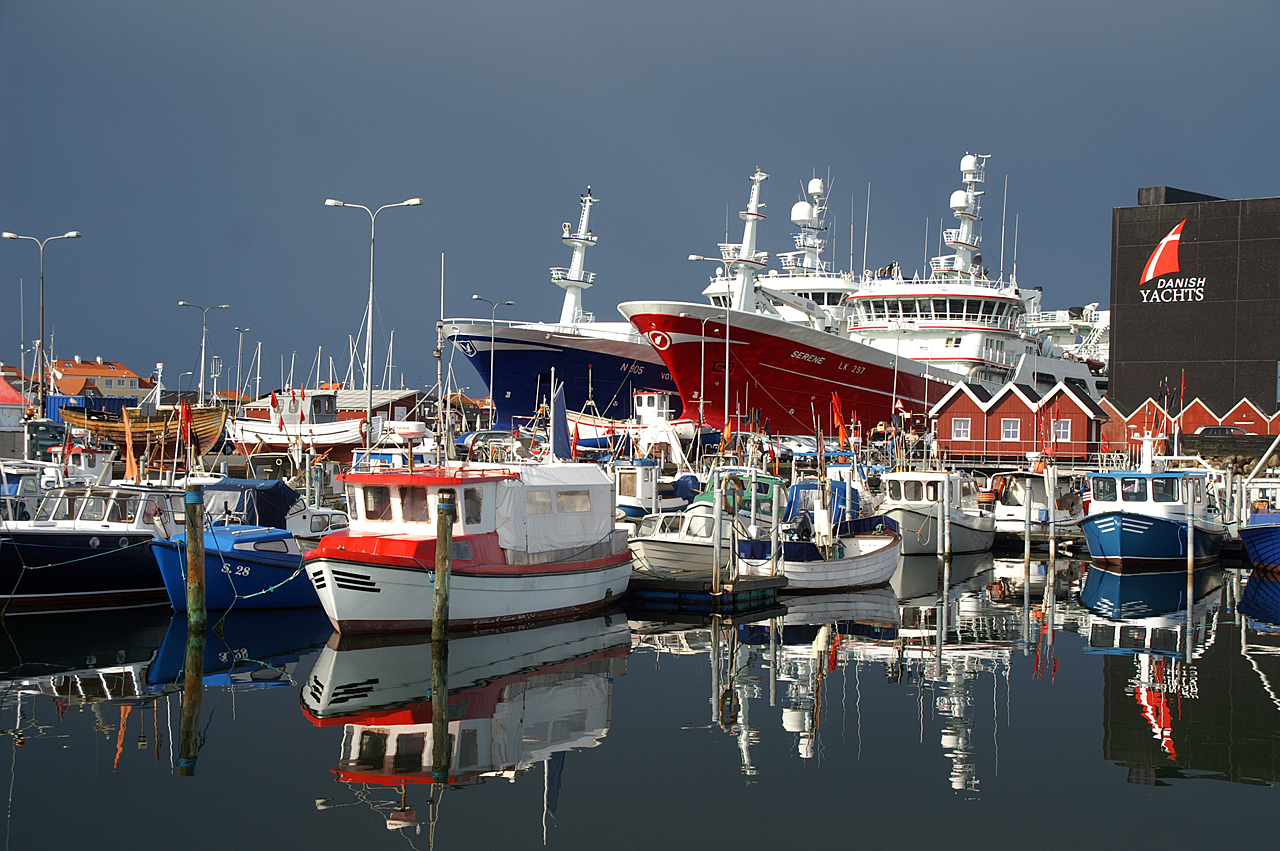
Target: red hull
[{"x": 785, "y": 371}]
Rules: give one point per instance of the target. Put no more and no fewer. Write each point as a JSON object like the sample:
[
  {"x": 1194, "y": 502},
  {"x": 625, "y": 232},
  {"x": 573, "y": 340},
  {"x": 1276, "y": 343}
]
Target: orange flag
[{"x": 130, "y": 462}]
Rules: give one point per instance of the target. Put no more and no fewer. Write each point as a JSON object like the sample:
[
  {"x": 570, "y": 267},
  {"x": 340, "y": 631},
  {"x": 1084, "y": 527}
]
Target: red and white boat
[
  {"x": 530, "y": 541},
  {"x": 799, "y": 344}
]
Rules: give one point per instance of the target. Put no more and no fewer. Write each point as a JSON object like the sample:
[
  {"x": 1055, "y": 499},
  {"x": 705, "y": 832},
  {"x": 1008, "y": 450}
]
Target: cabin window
[
  {"x": 409, "y": 750},
  {"x": 377, "y": 503},
  {"x": 472, "y": 502},
  {"x": 538, "y": 502},
  {"x": 95, "y": 508},
  {"x": 627, "y": 484},
  {"x": 670, "y": 524},
  {"x": 339, "y": 521},
  {"x": 414, "y": 506},
  {"x": 895, "y": 490},
  {"x": 1062, "y": 431},
  {"x": 931, "y": 491},
  {"x": 461, "y": 551},
  {"x": 700, "y": 526},
  {"x": 1133, "y": 490},
  {"x": 319, "y": 522},
  {"x": 960, "y": 428},
  {"x": 272, "y": 546},
  {"x": 913, "y": 491},
  {"x": 123, "y": 510},
  {"x": 1104, "y": 489},
  {"x": 1164, "y": 489},
  {"x": 573, "y": 502},
  {"x": 1010, "y": 429},
  {"x": 373, "y": 750},
  {"x": 61, "y": 507}
]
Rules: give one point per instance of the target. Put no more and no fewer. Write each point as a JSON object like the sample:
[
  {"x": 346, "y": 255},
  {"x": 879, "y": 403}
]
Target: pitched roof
[
  {"x": 10, "y": 396},
  {"x": 108, "y": 368}
]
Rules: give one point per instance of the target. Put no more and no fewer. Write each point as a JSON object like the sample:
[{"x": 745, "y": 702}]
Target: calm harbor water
[{"x": 628, "y": 730}]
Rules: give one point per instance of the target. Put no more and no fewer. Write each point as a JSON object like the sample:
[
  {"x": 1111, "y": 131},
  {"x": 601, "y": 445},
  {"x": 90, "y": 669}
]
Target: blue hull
[
  {"x": 1143, "y": 595},
  {"x": 249, "y": 642},
  {"x": 1262, "y": 539},
  {"x": 522, "y": 370},
  {"x": 238, "y": 579},
  {"x": 1124, "y": 542},
  {"x": 1261, "y": 598}
]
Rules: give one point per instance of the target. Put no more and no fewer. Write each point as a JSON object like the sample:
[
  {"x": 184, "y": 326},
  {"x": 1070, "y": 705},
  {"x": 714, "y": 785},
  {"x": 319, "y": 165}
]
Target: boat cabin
[
  {"x": 533, "y": 509},
  {"x": 1155, "y": 493},
  {"x": 156, "y": 511},
  {"x": 924, "y": 488}
]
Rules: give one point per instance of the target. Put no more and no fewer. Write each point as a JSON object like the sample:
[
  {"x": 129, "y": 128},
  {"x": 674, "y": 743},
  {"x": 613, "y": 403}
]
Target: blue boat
[
  {"x": 1260, "y": 601},
  {"x": 1262, "y": 540},
  {"x": 1137, "y": 520},
  {"x": 252, "y": 567},
  {"x": 605, "y": 362},
  {"x": 1144, "y": 595}
]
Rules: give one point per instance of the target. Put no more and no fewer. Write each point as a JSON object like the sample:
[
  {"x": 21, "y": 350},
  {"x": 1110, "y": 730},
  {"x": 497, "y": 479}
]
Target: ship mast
[
  {"x": 965, "y": 240},
  {"x": 742, "y": 259},
  {"x": 574, "y": 279}
]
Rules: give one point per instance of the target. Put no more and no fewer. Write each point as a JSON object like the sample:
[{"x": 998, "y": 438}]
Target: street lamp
[
  {"x": 368, "y": 339},
  {"x": 180, "y": 377},
  {"x": 73, "y": 234},
  {"x": 239, "y": 377},
  {"x": 493, "y": 315},
  {"x": 204, "y": 327}
]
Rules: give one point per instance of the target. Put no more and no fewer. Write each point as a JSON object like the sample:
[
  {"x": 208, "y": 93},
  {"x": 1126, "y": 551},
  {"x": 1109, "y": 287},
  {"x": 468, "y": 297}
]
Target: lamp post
[
  {"x": 239, "y": 362},
  {"x": 368, "y": 339},
  {"x": 180, "y": 377},
  {"x": 728, "y": 302},
  {"x": 204, "y": 327},
  {"x": 493, "y": 318},
  {"x": 73, "y": 234}
]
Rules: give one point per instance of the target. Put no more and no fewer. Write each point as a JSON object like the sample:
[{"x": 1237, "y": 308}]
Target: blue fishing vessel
[
  {"x": 1262, "y": 540},
  {"x": 253, "y": 567},
  {"x": 1261, "y": 599},
  {"x": 1137, "y": 520},
  {"x": 606, "y": 362}
]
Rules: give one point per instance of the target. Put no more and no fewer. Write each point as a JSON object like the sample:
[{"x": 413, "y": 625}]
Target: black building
[{"x": 1195, "y": 285}]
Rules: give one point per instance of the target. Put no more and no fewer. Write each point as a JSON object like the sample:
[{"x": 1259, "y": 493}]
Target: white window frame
[
  {"x": 956, "y": 429},
  {"x": 1062, "y": 431},
  {"x": 1011, "y": 434}
]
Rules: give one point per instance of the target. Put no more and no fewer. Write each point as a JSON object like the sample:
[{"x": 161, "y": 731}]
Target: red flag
[
  {"x": 275, "y": 403},
  {"x": 573, "y": 447},
  {"x": 184, "y": 419},
  {"x": 303, "y": 391}
]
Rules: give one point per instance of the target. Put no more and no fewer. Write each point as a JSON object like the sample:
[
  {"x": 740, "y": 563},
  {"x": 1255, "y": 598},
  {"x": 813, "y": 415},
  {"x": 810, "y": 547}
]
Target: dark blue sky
[{"x": 194, "y": 144}]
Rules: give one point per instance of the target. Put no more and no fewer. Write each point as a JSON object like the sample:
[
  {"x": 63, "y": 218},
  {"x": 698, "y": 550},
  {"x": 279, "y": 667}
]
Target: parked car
[{"x": 1219, "y": 430}]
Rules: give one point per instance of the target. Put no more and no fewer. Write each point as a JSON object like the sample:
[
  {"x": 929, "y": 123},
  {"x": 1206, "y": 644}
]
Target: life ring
[{"x": 363, "y": 423}]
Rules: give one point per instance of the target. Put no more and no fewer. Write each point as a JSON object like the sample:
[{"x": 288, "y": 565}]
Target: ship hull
[
  {"x": 785, "y": 371},
  {"x": 607, "y": 369}
]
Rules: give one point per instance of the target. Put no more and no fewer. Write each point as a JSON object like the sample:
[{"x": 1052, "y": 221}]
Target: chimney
[
  {"x": 78, "y": 359},
  {"x": 99, "y": 358}
]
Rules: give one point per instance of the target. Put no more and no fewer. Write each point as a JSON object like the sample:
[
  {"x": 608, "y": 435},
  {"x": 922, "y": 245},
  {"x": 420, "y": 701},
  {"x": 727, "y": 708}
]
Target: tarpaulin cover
[
  {"x": 555, "y": 506},
  {"x": 255, "y": 502}
]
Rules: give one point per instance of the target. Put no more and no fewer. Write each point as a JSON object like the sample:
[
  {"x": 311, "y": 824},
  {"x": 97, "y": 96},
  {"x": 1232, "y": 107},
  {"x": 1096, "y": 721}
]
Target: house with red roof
[{"x": 78, "y": 377}]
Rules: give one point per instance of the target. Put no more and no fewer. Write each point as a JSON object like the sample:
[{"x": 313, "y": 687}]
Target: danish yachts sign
[{"x": 1163, "y": 270}]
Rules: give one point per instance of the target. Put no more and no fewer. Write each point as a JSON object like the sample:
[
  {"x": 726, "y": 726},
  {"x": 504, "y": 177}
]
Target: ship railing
[
  {"x": 954, "y": 235},
  {"x": 962, "y": 323},
  {"x": 794, "y": 260},
  {"x": 733, "y": 251},
  {"x": 551, "y": 327},
  {"x": 997, "y": 356},
  {"x": 559, "y": 273}
]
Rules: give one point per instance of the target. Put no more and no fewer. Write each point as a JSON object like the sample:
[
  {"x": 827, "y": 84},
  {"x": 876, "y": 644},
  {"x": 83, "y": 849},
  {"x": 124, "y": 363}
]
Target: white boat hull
[
  {"x": 969, "y": 533},
  {"x": 363, "y": 597},
  {"x": 869, "y": 560}
]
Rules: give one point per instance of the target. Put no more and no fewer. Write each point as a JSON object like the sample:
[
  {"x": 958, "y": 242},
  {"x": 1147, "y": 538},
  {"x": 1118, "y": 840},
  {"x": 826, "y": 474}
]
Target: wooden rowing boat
[{"x": 206, "y": 425}]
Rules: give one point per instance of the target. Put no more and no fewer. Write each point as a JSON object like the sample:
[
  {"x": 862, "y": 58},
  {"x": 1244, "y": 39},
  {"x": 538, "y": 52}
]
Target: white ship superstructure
[{"x": 959, "y": 319}]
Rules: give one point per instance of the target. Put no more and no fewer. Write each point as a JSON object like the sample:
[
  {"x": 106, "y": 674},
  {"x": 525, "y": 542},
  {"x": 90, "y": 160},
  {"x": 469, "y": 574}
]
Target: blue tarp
[
  {"x": 112, "y": 404},
  {"x": 254, "y": 502}
]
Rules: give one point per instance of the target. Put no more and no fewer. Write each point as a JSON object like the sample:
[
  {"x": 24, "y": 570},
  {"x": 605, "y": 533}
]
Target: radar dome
[
  {"x": 816, "y": 188},
  {"x": 793, "y": 720},
  {"x": 802, "y": 213},
  {"x": 959, "y": 200},
  {"x": 968, "y": 163}
]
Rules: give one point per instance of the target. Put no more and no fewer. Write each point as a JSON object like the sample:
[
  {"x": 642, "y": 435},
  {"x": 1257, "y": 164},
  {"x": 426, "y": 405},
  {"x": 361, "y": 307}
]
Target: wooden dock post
[
  {"x": 1026, "y": 568},
  {"x": 192, "y": 692},
  {"x": 193, "y": 513},
  {"x": 441, "y": 750},
  {"x": 446, "y": 511}
]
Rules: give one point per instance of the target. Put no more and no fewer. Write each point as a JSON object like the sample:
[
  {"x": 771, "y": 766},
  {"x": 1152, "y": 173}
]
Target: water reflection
[
  {"x": 516, "y": 699},
  {"x": 1185, "y": 698}
]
